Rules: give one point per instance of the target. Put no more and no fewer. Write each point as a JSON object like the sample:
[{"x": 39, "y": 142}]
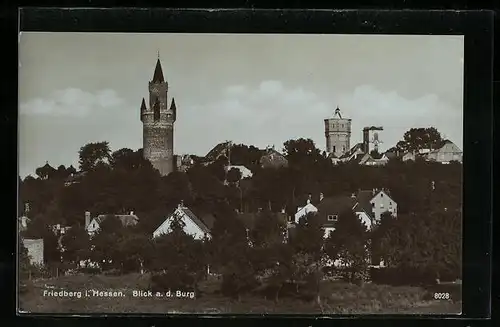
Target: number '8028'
[{"x": 442, "y": 296}]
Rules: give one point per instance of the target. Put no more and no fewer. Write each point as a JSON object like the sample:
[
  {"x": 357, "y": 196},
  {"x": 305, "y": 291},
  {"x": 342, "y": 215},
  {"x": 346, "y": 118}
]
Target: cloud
[
  {"x": 71, "y": 102},
  {"x": 271, "y": 113}
]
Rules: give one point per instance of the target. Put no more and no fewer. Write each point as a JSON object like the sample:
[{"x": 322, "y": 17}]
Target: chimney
[
  {"x": 181, "y": 204},
  {"x": 321, "y": 197},
  {"x": 131, "y": 213},
  {"x": 366, "y": 136},
  {"x": 87, "y": 219},
  {"x": 26, "y": 208},
  {"x": 283, "y": 210},
  {"x": 353, "y": 196},
  {"x": 373, "y": 191}
]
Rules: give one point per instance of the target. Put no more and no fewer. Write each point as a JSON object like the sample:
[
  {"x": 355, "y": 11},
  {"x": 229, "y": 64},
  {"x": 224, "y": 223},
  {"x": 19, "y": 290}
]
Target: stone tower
[
  {"x": 338, "y": 134},
  {"x": 158, "y": 124}
]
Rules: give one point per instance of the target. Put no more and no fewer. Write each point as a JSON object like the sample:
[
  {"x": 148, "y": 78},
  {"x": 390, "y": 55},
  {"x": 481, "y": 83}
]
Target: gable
[{"x": 192, "y": 225}]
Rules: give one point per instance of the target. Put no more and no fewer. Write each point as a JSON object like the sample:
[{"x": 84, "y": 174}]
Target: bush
[
  {"x": 172, "y": 280},
  {"x": 398, "y": 276},
  {"x": 234, "y": 284}
]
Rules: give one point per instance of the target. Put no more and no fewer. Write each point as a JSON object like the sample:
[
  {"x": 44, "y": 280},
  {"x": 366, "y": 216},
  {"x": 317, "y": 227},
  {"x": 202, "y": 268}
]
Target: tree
[
  {"x": 24, "y": 260},
  {"x": 233, "y": 175},
  {"x": 349, "y": 244},
  {"x": 179, "y": 259},
  {"x": 93, "y": 155},
  {"x": 307, "y": 243},
  {"x": 302, "y": 152},
  {"x": 420, "y": 138},
  {"x": 76, "y": 245}
]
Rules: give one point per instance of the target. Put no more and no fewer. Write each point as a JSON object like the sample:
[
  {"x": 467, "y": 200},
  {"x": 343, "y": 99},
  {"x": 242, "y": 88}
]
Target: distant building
[
  {"x": 92, "y": 225},
  {"x": 245, "y": 172},
  {"x": 338, "y": 134},
  {"x": 198, "y": 227},
  {"x": 304, "y": 211},
  {"x": 22, "y": 223},
  {"x": 158, "y": 118},
  {"x": 273, "y": 159},
  {"x": 447, "y": 153},
  {"x": 35, "y": 250},
  {"x": 183, "y": 162},
  {"x": 367, "y": 205},
  {"x": 218, "y": 151}
]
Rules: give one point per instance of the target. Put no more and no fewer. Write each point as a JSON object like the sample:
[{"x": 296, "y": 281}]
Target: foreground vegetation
[
  {"x": 422, "y": 246},
  {"x": 338, "y": 298}
]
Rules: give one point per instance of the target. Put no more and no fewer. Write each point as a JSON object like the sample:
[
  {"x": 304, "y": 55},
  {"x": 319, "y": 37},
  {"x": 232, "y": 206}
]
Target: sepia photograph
[{"x": 176, "y": 173}]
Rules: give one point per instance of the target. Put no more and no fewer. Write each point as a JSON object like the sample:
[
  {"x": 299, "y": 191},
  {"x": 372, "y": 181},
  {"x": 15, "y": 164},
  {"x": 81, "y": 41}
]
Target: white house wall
[
  {"x": 309, "y": 208},
  {"x": 190, "y": 227},
  {"x": 382, "y": 203}
]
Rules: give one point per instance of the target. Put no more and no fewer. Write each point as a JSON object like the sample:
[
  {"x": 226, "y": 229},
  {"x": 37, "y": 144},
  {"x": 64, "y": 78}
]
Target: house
[
  {"x": 198, "y": 227},
  {"x": 409, "y": 156},
  {"x": 218, "y": 151},
  {"x": 22, "y": 223},
  {"x": 92, "y": 225},
  {"x": 367, "y": 205},
  {"x": 183, "y": 162},
  {"x": 305, "y": 210},
  {"x": 375, "y": 202},
  {"x": 353, "y": 153},
  {"x": 35, "y": 250},
  {"x": 445, "y": 154},
  {"x": 273, "y": 159},
  {"x": 245, "y": 172}
]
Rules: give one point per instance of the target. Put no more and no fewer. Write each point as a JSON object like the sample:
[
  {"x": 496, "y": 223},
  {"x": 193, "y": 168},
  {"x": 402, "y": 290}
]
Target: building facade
[
  {"x": 338, "y": 134},
  {"x": 158, "y": 124}
]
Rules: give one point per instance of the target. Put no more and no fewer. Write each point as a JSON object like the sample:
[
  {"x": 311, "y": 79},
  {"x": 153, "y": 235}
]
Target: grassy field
[{"x": 337, "y": 298}]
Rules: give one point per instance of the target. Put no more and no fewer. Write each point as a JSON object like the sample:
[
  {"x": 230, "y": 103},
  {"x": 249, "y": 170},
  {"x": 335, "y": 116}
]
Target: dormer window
[{"x": 333, "y": 217}]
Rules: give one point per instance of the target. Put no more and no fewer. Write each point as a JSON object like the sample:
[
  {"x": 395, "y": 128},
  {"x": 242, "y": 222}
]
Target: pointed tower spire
[
  {"x": 158, "y": 74},
  {"x": 173, "y": 108},
  {"x": 143, "y": 107}
]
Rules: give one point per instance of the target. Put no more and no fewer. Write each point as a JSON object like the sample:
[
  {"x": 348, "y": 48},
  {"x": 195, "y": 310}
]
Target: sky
[{"x": 256, "y": 89}]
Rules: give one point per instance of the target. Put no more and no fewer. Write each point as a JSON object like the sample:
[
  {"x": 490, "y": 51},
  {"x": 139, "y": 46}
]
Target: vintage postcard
[{"x": 240, "y": 173}]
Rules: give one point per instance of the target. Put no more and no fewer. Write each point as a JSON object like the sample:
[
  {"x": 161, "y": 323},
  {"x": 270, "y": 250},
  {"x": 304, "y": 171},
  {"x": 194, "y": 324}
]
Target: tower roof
[
  {"x": 337, "y": 113},
  {"x": 143, "y": 105},
  {"x": 158, "y": 74},
  {"x": 172, "y": 106}
]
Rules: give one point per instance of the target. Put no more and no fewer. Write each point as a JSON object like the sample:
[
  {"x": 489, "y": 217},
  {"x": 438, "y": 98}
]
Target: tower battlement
[
  {"x": 337, "y": 134},
  {"x": 158, "y": 124}
]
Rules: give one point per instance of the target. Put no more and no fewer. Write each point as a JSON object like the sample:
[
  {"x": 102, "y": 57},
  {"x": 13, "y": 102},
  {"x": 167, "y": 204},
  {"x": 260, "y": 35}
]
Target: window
[
  {"x": 381, "y": 195},
  {"x": 333, "y": 217},
  {"x": 381, "y": 205},
  {"x": 334, "y": 148},
  {"x": 390, "y": 203},
  {"x": 373, "y": 204}
]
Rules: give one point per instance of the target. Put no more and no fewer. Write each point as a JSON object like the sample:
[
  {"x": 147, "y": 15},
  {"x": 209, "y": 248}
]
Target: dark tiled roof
[
  {"x": 273, "y": 158},
  {"x": 352, "y": 150},
  {"x": 217, "y": 151},
  {"x": 336, "y": 205},
  {"x": 364, "y": 197},
  {"x": 390, "y": 155},
  {"x": 203, "y": 226},
  {"x": 158, "y": 74}
]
